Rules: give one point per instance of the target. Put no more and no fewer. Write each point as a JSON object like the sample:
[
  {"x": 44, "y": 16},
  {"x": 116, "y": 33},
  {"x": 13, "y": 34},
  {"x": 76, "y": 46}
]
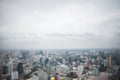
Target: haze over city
[
  {"x": 59, "y": 24},
  {"x": 59, "y": 39}
]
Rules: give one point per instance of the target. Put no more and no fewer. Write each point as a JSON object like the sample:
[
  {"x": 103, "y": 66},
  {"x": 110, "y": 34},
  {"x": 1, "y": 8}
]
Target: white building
[
  {"x": 35, "y": 78},
  {"x": 80, "y": 69},
  {"x": 14, "y": 75},
  {"x": 74, "y": 64}
]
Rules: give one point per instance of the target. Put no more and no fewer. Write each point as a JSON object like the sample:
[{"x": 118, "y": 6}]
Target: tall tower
[
  {"x": 0, "y": 72},
  {"x": 109, "y": 61},
  {"x": 20, "y": 69}
]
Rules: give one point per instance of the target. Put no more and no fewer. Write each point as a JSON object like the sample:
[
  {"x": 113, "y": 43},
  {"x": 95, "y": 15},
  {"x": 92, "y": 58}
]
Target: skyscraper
[
  {"x": 20, "y": 69},
  {"x": 109, "y": 61}
]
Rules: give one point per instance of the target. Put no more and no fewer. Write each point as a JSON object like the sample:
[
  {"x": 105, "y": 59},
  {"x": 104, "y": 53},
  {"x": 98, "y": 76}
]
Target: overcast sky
[{"x": 59, "y": 24}]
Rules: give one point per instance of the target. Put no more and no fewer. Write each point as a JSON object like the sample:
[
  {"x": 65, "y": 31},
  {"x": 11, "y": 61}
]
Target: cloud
[
  {"x": 59, "y": 24},
  {"x": 72, "y": 35}
]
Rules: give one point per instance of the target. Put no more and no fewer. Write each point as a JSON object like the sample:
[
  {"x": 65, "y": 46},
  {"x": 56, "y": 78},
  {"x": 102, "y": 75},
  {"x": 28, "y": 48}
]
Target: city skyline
[{"x": 64, "y": 24}]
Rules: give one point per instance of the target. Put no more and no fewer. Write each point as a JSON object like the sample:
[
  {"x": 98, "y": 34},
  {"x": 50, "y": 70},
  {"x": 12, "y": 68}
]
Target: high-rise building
[
  {"x": 96, "y": 71},
  {"x": 109, "y": 61},
  {"x": 10, "y": 64},
  {"x": 0, "y": 72},
  {"x": 5, "y": 70},
  {"x": 80, "y": 69},
  {"x": 74, "y": 64},
  {"x": 60, "y": 60},
  {"x": 14, "y": 75},
  {"x": 63, "y": 61},
  {"x": 20, "y": 69}
]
